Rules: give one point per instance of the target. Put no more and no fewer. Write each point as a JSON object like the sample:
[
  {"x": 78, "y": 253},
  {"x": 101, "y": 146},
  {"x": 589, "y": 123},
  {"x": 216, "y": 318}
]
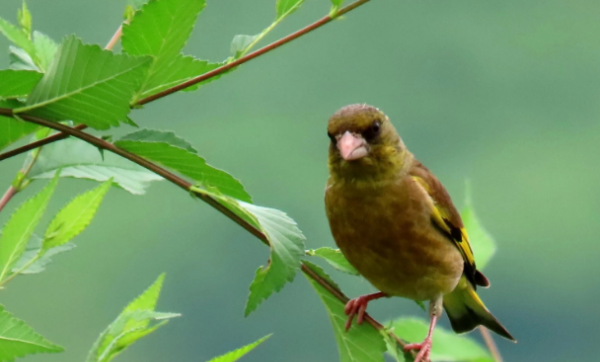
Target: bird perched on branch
[{"x": 396, "y": 224}]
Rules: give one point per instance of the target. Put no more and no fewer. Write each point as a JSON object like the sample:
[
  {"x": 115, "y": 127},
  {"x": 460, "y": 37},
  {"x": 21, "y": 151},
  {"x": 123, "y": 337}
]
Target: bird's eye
[
  {"x": 331, "y": 137},
  {"x": 372, "y": 131}
]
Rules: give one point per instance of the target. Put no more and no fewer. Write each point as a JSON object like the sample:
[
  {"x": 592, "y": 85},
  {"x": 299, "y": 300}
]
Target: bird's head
[{"x": 364, "y": 143}]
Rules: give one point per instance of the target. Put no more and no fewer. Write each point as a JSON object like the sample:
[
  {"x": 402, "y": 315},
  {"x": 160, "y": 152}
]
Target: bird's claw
[
  {"x": 356, "y": 306},
  {"x": 424, "y": 349}
]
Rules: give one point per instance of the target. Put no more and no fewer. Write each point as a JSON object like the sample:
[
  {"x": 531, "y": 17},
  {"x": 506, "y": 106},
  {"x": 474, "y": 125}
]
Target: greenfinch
[{"x": 396, "y": 224}]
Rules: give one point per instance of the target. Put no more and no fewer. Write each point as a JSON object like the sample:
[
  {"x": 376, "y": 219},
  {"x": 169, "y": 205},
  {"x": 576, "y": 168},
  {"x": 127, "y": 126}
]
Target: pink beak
[{"x": 352, "y": 147}]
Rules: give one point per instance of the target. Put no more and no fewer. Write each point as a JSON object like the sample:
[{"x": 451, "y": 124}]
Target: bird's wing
[{"x": 446, "y": 217}]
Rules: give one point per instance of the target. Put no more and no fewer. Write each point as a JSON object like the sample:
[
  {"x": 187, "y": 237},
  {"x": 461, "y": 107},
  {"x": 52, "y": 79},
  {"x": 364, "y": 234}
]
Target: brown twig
[
  {"x": 213, "y": 73},
  {"x": 491, "y": 345},
  {"x": 184, "y": 184},
  {"x": 7, "y": 196}
]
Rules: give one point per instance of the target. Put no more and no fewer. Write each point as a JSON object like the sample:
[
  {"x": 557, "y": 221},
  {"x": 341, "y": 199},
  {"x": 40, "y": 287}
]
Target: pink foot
[
  {"x": 424, "y": 349},
  {"x": 359, "y": 306}
]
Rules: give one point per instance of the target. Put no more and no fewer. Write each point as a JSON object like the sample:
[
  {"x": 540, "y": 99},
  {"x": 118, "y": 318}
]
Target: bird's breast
[{"x": 386, "y": 233}]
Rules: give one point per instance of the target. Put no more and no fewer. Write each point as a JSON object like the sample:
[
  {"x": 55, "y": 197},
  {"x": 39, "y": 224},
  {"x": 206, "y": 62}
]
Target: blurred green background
[{"x": 506, "y": 94}]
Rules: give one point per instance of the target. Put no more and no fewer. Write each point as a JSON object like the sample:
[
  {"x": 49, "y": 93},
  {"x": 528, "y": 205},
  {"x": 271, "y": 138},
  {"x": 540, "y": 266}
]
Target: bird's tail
[{"x": 466, "y": 311}]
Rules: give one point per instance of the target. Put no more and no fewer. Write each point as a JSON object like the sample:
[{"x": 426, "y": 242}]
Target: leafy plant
[{"x": 54, "y": 91}]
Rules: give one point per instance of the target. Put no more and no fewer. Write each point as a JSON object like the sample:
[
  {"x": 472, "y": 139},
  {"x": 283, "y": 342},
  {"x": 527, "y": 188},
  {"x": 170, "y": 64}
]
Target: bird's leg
[
  {"x": 359, "y": 306},
  {"x": 424, "y": 348}
]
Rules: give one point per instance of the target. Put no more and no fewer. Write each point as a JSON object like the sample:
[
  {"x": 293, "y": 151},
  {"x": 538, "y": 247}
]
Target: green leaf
[
  {"x": 362, "y": 343},
  {"x": 11, "y": 129},
  {"x": 180, "y": 70},
  {"x": 161, "y": 29},
  {"x": 81, "y": 160},
  {"x": 240, "y": 352},
  {"x": 75, "y": 217},
  {"x": 287, "y": 247},
  {"x": 447, "y": 346},
  {"x": 286, "y": 7},
  {"x": 45, "y": 49},
  {"x": 335, "y": 258},
  {"x": 19, "y": 38},
  {"x": 17, "y": 339},
  {"x": 132, "y": 324},
  {"x": 285, "y": 239},
  {"x": 24, "y": 17},
  {"x": 482, "y": 243},
  {"x": 20, "y": 226},
  {"x": 393, "y": 348},
  {"x": 17, "y": 83},
  {"x": 173, "y": 152},
  {"x": 87, "y": 85},
  {"x": 240, "y": 43},
  {"x": 148, "y": 299}
]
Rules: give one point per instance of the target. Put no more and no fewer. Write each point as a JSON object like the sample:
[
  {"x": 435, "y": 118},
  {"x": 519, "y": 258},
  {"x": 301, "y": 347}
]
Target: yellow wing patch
[{"x": 458, "y": 235}]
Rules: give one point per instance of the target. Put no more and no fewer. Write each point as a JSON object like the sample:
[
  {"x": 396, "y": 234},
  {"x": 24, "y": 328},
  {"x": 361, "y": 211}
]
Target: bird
[{"x": 396, "y": 224}]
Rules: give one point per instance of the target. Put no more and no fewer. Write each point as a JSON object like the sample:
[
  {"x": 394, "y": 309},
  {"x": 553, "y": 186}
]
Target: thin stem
[
  {"x": 263, "y": 33},
  {"x": 209, "y": 75},
  {"x": 491, "y": 345},
  {"x": 178, "y": 181},
  {"x": 7, "y": 196},
  {"x": 27, "y": 265},
  {"x": 115, "y": 38}
]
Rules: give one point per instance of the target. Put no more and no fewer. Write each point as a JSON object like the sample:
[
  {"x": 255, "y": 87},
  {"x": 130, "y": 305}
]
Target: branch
[
  {"x": 185, "y": 185},
  {"x": 218, "y": 71}
]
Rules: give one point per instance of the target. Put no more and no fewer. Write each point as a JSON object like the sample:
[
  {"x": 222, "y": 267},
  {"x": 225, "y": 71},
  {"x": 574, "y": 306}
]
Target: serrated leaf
[
  {"x": 148, "y": 299},
  {"x": 17, "y": 339},
  {"x": 150, "y": 135},
  {"x": 286, "y": 7},
  {"x": 447, "y": 346},
  {"x": 286, "y": 243},
  {"x": 17, "y": 83},
  {"x": 240, "y": 352},
  {"x": 45, "y": 49},
  {"x": 166, "y": 149},
  {"x": 75, "y": 217},
  {"x": 287, "y": 247},
  {"x": 11, "y": 129},
  {"x": 87, "y": 85},
  {"x": 481, "y": 241},
  {"x": 335, "y": 258},
  {"x": 132, "y": 324},
  {"x": 362, "y": 343},
  {"x": 82, "y": 160},
  {"x": 161, "y": 29},
  {"x": 181, "y": 69},
  {"x": 20, "y": 227},
  {"x": 19, "y": 38}
]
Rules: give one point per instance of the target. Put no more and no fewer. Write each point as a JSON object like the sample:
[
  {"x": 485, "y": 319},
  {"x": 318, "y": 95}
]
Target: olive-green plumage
[{"x": 395, "y": 222}]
